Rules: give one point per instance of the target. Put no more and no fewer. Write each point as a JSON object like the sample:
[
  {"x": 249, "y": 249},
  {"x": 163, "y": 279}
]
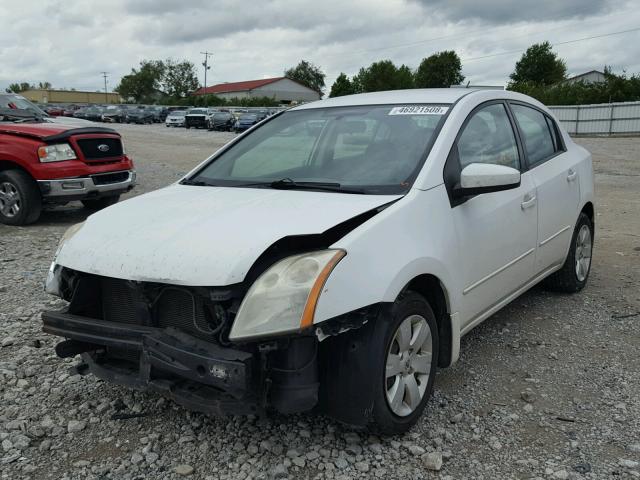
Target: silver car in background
[{"x": 175, "y": 118}]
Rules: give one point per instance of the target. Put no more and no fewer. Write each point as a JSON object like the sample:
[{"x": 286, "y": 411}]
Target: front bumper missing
[{"x": 196, "y": 374}]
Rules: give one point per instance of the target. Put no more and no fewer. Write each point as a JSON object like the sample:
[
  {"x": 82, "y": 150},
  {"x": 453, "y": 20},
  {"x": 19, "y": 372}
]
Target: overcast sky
[{"x": 69, "y": 42}]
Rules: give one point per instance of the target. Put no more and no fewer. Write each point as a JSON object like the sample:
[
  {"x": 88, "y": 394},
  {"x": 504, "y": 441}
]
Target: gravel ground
[{"x": 547, "y": 388}]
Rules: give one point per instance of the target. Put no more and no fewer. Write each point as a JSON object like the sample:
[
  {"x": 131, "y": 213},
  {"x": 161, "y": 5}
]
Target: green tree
[
  {"x": 307, "y": 74},
  {"x": 18, "y": 87},
  {"x": 382, "y": 75},
  {"x": 142, "y": 84},
  {"x": 539, "y": 65},
  {"x": 440, "y": 70},
  {"x": 405, "y": 78},
  {"x": 180, "y": 78},
  {"x": 44, "y": 85},
  {"x": 342, "y": 86}
]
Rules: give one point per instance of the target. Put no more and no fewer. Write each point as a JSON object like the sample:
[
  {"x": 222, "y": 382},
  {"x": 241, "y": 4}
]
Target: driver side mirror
[{"x": 478, "y": 178}]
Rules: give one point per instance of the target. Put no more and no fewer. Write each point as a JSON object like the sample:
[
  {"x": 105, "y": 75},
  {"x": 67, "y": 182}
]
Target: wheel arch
[
  {"x": 435, "y": 292},
  {"x": 10, "y": 165},
  {"x": 589, "y": 211}
]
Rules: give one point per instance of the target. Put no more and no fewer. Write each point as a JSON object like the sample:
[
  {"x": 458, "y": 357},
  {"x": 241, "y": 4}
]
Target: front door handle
[
  {"x": 571, "y": 176},
  {"x": 528, "y": 202}
]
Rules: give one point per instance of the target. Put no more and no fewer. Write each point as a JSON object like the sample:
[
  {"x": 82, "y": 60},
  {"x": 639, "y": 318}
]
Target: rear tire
[
  {"x": 100, "y": 203},
  {"x": 573, "y": 275},
  {"x": 20, "y": 199}
]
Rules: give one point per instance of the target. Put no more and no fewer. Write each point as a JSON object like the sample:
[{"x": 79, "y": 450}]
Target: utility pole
[
  {"x": 106, "y": 97},
  {"x": 206, "y": 66}
]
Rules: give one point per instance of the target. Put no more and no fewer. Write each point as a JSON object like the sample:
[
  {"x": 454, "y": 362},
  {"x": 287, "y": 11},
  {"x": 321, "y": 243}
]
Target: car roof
[{"x": 394, "y": 97}]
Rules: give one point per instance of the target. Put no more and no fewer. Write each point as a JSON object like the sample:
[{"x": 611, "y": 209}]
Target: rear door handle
[
  {"x": 528, "y": 202},
  {"x": 571, "y": 176}
]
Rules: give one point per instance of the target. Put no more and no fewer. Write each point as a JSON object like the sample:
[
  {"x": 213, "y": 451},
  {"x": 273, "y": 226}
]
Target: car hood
[
  {"x": 202, "y": 236},
  {"x": 70, "y": 121}
]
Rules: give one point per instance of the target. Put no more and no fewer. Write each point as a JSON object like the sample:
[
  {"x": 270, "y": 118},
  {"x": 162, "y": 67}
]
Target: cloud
[
  {"x": 504, "y": 11},
  {"x": 69, "y": 43}
]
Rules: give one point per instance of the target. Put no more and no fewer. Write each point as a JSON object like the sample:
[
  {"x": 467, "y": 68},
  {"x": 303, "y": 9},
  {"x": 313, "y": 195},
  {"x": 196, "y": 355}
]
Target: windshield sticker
[{"x": 418, "y": 110}]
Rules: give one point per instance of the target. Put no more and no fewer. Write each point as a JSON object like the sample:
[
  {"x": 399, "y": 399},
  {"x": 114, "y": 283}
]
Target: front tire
[
  {"x": 20, "y": 200},
  {"x": 382, "y": 374},
  {"x": 573, "y": 275},
  {"x": 100, "y": 203}
]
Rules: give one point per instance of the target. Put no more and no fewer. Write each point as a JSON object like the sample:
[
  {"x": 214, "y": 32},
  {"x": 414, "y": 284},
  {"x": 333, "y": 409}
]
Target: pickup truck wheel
[
  {"x": 573, "y": 275},
  {"x": 100, "y": 203},
  {"x": 20, "y": 200},
  {"x": 385, "y": 368}
]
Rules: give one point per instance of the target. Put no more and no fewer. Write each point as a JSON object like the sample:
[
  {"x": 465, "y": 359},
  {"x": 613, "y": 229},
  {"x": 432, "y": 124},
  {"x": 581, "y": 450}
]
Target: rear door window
[{"x": 537, "y": 136}]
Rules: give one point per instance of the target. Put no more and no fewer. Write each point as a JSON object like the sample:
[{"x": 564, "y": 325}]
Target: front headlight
[
  {"x": 284, "y": 298},
  {"x": 52, "y": 282},
  {"x": 56, "y": 153}
]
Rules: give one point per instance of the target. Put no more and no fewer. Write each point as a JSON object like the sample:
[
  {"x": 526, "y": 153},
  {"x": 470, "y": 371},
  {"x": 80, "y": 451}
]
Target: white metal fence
[{"x": 600, "y": 119}]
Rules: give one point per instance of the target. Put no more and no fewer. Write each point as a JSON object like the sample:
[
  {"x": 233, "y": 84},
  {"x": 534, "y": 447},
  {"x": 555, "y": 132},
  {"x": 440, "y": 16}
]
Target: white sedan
[{"x": 331, "y": 257}]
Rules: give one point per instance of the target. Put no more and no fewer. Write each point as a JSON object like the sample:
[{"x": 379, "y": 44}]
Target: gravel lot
[{"x": 547, "y": 388}]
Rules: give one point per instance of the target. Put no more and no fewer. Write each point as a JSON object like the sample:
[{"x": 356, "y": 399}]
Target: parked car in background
[
  {"x": 69, "y": 110},
  {"x": 261, "y": 114},
  {"x": 114, "y": 114},
  {"x": 354, "y": 256},
  {"x": 54, "y": 110},
  {"x": 197, "y": 117},
  {"x": 223, "y": 121},
  {"x": 14, "y": 101},
  {"x": 140, "y": 115},
  {"x": 45, "y": 163},
  {"x": 175, "y": 118},
  {"x": 244, "y": 122},
  {"x": 159, "y": 113},
  {"x": 93, "y": 113}
]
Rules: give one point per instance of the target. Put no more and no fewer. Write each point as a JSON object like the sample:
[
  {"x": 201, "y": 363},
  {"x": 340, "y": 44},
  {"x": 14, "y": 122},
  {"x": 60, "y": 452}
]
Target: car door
[
  {"x": 555, "y": 174},
  {"x": 496, "y": 231}
]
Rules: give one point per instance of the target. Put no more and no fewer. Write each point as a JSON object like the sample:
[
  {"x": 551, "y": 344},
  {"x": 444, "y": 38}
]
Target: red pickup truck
[{"x": 45, "y": 163}]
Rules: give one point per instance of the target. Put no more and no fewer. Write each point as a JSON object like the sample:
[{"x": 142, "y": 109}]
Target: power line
[
  {"x": 508, "y": 52},
  {"x": 520, "y": 50},
  {"x": 463, "y": 35}
]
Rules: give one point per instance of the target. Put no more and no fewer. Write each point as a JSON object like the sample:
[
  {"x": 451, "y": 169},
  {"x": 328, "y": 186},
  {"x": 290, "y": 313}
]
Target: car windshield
[
  {"x": 20, "y": 103},
  {"x": 247, "y": 116},
  {"x": 178, "y": 113},
  {"x": 198, "y": 111},
  {"x": 221, "y": 115},
  {"x": 374, "y": 149}
]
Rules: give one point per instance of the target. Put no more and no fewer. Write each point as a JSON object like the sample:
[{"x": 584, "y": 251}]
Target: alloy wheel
[
  {"x": 408, "y": 365},
  {"x": 583, "y": 253},
  {"x": 10, "y": 201}
]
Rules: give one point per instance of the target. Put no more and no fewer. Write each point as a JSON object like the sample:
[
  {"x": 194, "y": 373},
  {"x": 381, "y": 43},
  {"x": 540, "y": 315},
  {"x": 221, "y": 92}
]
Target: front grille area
[
  {"x": 99, "y": 148},
  {"x": 161, "y": 306},
  {"x": 196, "y": 121},
  {"x": 109, "y": 178},
  {"x": 118, "y": 303}
]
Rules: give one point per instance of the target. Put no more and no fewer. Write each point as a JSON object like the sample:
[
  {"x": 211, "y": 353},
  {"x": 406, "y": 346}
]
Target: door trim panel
[
  {"x": 543, "y": 242},
  {"x": 507, "y": 299},
  {"x": 496, "y": 272}
]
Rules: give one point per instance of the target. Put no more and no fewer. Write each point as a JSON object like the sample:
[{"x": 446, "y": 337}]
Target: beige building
[{"x": 69, "y": 96}]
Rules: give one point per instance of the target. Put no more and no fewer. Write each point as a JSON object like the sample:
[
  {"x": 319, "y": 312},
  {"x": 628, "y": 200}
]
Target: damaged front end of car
[
  {"x": 242, "y": 349},
  {"x": 175, "y": 341}
]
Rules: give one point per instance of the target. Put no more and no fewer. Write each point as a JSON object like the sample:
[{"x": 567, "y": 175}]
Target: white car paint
[
  {"x": 484, "y": 252},
  {"x": 488, "y": 175},
  {"x": 202, "y": 236}
]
